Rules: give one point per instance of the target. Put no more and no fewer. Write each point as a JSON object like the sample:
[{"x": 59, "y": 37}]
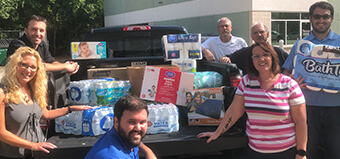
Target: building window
[{"x": 289, "y": 27}]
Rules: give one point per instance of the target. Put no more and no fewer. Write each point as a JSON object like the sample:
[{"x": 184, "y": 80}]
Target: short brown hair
[
  {"x": 268, "y": 48},
  {"x": 323, "y": 5},
  {"x": 36, "y": 18},
  {"x": 130, "y": 103}
]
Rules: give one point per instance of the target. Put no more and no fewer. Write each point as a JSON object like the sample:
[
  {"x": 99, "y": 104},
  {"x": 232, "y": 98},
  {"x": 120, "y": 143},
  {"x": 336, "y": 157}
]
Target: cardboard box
[
  {"x": 119, "y": 73},
  {"x": 195, "y": 119},
  {"x": 205, "y": 106},
  {"x": 136, "y": 75},
  {"x": 182, "y": 46},
  {"x": 167, "y": 86},
  {"x": 88, "y": 50}
]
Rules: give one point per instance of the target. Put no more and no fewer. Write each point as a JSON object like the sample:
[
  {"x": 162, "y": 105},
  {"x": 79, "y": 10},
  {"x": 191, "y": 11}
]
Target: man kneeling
[{"x": 124, "y": 139}]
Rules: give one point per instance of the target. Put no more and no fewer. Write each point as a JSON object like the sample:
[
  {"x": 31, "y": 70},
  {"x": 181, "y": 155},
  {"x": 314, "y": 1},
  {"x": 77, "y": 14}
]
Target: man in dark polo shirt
[
  {"x": 35, "y": 30},
  {"x": 259, "y": 33}
]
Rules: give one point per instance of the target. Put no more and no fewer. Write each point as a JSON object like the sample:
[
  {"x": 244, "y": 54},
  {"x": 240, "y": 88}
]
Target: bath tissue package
[{"x": 319, "y": 65}]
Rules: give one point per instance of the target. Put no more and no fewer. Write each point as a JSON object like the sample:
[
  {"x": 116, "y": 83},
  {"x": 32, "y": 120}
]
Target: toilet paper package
[
  {"x": 185, "y": 65},
  {"x": 182, "y": 46},
  {"x": 97, "y": 121},
  {"x": 319, "y": 65}
]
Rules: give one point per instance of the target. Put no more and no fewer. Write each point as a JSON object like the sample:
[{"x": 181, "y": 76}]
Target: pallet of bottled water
[
  {"x": 92, "y": 122},
  {"x": 104, "y": 91},
  {"x": 163, "y": 118}
]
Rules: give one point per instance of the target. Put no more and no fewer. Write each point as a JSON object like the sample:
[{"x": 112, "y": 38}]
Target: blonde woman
[{"x": 23, "y": 92}]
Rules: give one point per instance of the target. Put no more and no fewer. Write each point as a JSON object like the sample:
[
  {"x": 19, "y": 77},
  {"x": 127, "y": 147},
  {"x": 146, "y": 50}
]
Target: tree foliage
[{"x": 68, "y": 20}]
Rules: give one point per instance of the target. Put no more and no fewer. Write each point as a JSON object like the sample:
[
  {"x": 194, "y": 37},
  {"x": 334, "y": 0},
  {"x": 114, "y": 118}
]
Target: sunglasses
[{"x": 317, "y": 16}]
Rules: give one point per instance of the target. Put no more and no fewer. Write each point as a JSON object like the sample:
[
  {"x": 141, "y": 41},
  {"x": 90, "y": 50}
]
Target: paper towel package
[
  {"x": 319, "y": 65},
  {"x": 88, "y": 50},
  {"x": 166, "y": 86},
  {"x": 182, "y": 46}
]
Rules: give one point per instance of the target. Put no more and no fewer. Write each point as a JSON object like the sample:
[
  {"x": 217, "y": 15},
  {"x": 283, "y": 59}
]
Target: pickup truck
[{"x": 129, "y": 44}]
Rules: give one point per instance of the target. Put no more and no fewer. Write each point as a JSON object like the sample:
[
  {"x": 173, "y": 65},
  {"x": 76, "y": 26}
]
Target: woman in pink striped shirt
[{"x": 275, "y": 106}]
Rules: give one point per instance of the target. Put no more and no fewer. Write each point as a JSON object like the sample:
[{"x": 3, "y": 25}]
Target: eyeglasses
[
  {"x": 318, "y": 16},
  {"x": 223, "y": 26},
  {"x": 26, "y": 66},
  {"x": 256, "y": 57}
]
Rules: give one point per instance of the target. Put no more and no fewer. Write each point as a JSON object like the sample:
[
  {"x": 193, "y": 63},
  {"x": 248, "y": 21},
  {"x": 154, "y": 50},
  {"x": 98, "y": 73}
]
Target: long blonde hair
[{"x": 38, "y": 84}]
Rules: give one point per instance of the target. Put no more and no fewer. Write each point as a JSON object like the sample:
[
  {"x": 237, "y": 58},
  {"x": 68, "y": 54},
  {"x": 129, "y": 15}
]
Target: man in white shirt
[{"x": 216, "y": 48}]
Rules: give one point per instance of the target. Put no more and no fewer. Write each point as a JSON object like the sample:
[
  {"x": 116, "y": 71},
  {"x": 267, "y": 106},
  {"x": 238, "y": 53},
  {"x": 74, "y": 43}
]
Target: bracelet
[{"x": 69, "y": 109}]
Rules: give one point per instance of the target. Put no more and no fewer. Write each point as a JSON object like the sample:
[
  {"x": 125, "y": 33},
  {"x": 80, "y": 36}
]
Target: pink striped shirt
[{"x": 270, "y": 128}]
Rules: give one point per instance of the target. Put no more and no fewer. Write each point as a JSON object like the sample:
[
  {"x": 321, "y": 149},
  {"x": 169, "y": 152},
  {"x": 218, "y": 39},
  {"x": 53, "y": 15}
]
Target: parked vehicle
[{"x": 126, "y": 44}]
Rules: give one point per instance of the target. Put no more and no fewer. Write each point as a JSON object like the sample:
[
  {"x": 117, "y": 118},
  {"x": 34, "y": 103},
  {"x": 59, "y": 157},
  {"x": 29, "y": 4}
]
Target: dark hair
[
  {"x": 131, "y": 103},
  {"x": 323, "y": 5},
  {"x": 36, "y": 18},
  {"x": 197, "y": 93},
  {"x": 268, "y": 48}
]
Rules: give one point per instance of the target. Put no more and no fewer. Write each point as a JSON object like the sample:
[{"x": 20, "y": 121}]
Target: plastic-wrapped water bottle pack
[
  {"x": 163, "y": 118},
  {"x": 90, "y": 122},
  {"x": 105, "y": 91}
]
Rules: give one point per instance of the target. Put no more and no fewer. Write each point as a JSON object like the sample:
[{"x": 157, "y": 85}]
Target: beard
[
  {"x": 320, "y": 31},
  {"x": 128, "y": 138}
]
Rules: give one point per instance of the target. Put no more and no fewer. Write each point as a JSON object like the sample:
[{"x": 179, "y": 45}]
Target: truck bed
[{"x": 183, "y": 142}]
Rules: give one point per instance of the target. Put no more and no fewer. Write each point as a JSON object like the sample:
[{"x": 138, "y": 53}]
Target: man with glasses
[
  {"x": 259, "y": 33},
  {"x": 323, "y": 108},
  {"x": 217, "y": 48}
]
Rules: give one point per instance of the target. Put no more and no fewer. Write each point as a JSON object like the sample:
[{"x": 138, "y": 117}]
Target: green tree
[{"x": 68, "y": 20}]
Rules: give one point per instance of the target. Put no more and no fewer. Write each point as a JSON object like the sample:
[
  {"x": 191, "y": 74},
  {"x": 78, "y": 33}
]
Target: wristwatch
[{"x": 301, "y": 152}]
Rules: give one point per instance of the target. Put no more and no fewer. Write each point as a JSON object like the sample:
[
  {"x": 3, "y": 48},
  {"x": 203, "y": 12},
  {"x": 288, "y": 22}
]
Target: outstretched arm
[
  {"x": 69, "y": 67},
  {"x": 55, "y": 113},
  {"x": 235, "y": 111}
]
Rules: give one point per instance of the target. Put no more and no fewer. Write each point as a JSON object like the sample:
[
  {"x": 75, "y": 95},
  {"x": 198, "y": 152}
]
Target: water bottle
[
  {"x": 78, "y": 122},
  {"x": 173, "y": 119},
  {"x": 115, "y": 96},
  {"x": 100, "y": 93},
  {"x": 108, "y": 88},
  {"x": 164, "y": 123},
  {"x": 152, "y": 118},
  {"x": 127, "y": 87}
]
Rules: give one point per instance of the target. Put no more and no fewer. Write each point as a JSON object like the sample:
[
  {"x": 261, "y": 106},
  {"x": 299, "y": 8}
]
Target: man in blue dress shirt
[
  {"x": 323, "y": 108},
  {"x": 124, "y": 140}
]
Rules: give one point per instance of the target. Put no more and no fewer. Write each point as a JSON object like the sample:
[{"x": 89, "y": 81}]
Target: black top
[
  {"x": 23, "y": 41},
  {"x": 239, "y": 57}
]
